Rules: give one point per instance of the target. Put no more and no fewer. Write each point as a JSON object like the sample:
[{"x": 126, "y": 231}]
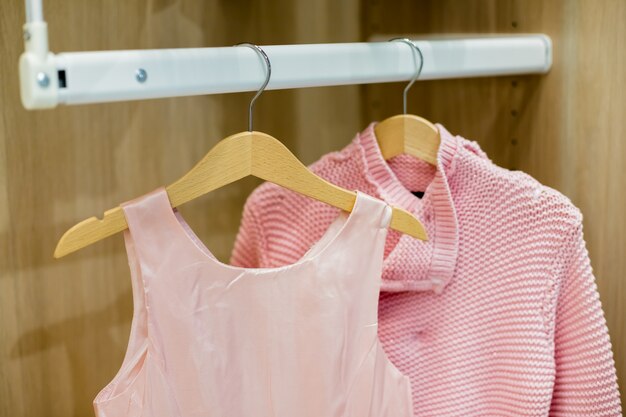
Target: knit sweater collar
[{"x": 435, "y": 209}]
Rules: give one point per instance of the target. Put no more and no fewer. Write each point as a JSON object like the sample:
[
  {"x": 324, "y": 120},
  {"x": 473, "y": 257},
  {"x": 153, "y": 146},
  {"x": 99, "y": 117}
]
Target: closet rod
[{"x": 48, "y": 80}]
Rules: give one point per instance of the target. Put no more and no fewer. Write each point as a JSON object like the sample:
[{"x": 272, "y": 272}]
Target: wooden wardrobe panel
[
  {"x": 64, "y": 324},
  {"x": 565, "y": 128}
]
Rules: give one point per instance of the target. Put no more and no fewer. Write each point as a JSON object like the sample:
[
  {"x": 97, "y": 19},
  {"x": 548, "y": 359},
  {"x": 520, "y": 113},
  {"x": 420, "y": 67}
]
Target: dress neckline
[{"x": 335, "y": 233}]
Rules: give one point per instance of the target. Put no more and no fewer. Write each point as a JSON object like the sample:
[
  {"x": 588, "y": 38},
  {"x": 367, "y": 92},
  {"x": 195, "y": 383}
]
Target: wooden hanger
[
  {"x": 238, "y": 156},
  {"x": 406, "y": 133}
]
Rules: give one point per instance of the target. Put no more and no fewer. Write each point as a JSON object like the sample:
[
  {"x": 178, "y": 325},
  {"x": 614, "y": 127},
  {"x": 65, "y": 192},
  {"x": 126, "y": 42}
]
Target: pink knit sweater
[{"x": 497, "y": 314}]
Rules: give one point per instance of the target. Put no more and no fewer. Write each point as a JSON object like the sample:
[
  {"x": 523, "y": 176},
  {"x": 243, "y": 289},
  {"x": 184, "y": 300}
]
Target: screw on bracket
[
  {"x": 141, "y": 75},
  {"x": 43, "y": 80}
]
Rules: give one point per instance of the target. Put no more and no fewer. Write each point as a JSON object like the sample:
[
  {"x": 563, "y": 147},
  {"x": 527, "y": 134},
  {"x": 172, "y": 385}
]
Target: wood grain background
[{"x": 64, "y": 324}]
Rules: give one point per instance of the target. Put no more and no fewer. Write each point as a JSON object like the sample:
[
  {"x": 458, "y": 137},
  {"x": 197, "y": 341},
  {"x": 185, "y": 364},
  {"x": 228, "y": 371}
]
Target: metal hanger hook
[
  {"x": 268, "y": 66},
  {"x": 419, "y": 67}
]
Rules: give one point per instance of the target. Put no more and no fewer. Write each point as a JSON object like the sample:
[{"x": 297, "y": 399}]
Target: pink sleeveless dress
[{"x": 209, "y": 339}]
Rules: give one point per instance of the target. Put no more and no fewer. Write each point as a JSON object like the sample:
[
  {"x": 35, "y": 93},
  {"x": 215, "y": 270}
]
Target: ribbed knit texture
[{"x": 497, "y": 314}]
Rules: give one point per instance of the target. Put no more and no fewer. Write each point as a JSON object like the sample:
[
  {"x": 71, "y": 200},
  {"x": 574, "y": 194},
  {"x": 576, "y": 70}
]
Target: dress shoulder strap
[
  {"x": 148, "y": 218},
  {"x": 372, "y": 211}
]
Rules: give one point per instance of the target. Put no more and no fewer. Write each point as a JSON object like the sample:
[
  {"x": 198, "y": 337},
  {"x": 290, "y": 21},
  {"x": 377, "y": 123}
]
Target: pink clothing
[
  {"x": 497, "y": 314},
  {"x": 210, "y": 339}
]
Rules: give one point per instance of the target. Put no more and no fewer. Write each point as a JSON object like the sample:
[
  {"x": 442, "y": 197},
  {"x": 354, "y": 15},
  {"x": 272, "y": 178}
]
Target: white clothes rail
[{"x": 96, "y": 77}]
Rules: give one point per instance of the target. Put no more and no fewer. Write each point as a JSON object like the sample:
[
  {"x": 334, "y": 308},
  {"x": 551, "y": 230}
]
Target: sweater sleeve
[
  {"x": 585, "y": 381},
  {"x": 248, "y": 249}
]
